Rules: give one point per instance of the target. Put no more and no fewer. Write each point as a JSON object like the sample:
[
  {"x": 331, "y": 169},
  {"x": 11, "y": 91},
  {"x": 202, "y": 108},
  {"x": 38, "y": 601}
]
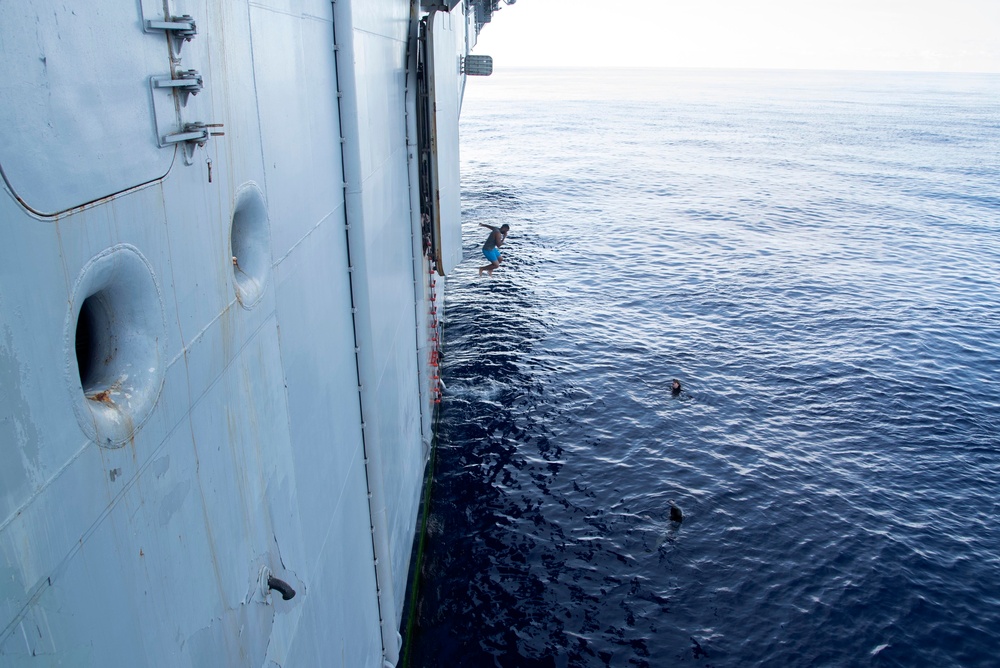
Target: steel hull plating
[{"x": 216, "y": 330}]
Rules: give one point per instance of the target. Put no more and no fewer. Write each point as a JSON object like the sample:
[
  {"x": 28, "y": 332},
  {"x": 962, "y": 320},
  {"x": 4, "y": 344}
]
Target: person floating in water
[
  {"x": 675, "y": 388},
  {"x": 676, "y": 515},
  {"x": 491, "y": 247}
]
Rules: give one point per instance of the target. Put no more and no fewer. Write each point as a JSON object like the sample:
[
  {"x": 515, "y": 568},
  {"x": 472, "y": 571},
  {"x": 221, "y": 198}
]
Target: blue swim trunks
[{"x": 493, "y": 254}]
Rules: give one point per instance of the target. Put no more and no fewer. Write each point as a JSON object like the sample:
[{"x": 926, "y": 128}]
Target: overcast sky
[{"x": 916, "y": 35}]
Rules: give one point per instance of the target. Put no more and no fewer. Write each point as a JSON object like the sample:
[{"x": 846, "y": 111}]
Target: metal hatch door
[
  {"x": 445, "y": 45},
  {"x": 76, "y": 105}
]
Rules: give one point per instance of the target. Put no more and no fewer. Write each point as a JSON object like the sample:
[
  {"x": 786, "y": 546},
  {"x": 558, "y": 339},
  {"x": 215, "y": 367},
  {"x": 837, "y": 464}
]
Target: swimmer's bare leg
[{"x": 489, "y": 268}]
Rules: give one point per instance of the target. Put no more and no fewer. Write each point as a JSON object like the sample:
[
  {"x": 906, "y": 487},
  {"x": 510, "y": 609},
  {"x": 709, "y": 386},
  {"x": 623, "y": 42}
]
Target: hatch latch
[
  {"x": 191, "y": 137},
  {"x": 180, "y": 29},
  {"x": 185, "y": 83}
]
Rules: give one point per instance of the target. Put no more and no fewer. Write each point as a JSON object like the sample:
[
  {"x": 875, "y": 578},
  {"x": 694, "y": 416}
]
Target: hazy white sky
[{"x": 920, "y": 35}]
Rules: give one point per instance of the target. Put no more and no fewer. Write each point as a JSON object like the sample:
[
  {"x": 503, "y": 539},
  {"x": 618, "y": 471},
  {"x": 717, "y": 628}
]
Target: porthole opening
[
  {"x": 95, "y": 346},
  {"x": 85, "y": 343},
  {"x": 116, "y": 341},
  {"x": 251, "y": 245}
]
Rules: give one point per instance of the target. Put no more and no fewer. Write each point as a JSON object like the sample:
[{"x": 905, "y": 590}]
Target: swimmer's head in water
[{"x": 675, "y": 386}]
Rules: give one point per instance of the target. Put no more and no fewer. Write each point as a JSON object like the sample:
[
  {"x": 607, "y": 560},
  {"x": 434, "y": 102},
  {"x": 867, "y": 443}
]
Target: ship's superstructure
[{"x": 223, "y": 226}]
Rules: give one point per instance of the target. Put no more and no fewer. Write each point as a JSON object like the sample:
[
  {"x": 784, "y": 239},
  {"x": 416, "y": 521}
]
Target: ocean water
[{"x": 816, "y": 256}]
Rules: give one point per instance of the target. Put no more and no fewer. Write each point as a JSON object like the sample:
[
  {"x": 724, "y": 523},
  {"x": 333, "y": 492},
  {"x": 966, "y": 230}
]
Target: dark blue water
[{"x": 816, "y": 256}]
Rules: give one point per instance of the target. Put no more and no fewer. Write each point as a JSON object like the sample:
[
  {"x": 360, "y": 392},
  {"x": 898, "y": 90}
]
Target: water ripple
[{"x": 817, "y": 260}]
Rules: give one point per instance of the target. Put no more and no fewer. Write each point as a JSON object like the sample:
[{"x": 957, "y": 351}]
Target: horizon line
[{"x": 740, "y": 67}]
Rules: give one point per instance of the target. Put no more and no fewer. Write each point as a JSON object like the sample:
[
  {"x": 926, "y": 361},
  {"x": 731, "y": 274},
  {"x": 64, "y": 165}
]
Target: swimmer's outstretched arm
[{"x": 495, "y": 229}]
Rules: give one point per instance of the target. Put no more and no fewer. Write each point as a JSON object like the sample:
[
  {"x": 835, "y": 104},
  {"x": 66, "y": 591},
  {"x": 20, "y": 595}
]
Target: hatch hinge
[
  {"x": 192, "y": 136},
  {"x": 179, "y": 29},
  {"x": 185, "y": 83}
]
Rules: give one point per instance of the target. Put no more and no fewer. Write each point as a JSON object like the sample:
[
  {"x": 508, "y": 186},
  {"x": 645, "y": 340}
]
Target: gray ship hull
[{"x": 219, "y": 325}]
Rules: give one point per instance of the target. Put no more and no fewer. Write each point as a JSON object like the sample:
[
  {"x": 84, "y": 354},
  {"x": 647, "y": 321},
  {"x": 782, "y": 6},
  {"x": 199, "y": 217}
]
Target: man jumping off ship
[{"x": 491, "y": 247}]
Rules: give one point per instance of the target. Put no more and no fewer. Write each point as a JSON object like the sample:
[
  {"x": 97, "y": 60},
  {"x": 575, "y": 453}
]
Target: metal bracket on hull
[
  {"x": 179, "y": 29},
  {"x": 191, "y": 137},
  {"x": 180, "y": 86},
  {"x": 186, "y": 83}
]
